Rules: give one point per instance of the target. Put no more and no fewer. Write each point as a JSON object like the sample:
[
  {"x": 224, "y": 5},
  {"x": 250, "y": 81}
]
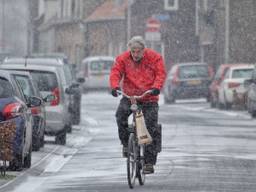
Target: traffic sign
[
  {"x": 152, "y": 32},
  {"x": 152, "y": 25}
]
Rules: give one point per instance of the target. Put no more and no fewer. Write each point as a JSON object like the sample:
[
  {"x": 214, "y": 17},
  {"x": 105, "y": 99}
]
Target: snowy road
[{"x": 203, "y": 150}]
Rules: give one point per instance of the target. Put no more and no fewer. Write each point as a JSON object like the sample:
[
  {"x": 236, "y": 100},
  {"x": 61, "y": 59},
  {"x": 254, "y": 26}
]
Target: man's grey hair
[{"x": 136, "y": 42}]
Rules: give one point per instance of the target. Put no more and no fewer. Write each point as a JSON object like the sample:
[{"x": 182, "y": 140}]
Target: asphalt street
[{"x": 203, "y": 149}]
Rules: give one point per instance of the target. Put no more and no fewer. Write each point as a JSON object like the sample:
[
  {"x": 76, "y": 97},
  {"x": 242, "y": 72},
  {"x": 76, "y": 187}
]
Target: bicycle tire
[
  {"x": 131, "y": 161},
  {"x": 140, "y": 174}
]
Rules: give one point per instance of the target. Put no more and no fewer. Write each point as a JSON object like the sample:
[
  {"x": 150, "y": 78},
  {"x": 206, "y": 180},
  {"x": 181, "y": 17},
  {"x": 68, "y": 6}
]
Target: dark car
[
  {"x": 29, "y": 89},
  {"x": 187, "y": 81},
  {"x": 14, "y": 110}
]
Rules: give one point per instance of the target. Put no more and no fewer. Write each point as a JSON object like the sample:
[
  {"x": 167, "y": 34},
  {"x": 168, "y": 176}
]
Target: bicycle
[{"x": 135, "y": 154}]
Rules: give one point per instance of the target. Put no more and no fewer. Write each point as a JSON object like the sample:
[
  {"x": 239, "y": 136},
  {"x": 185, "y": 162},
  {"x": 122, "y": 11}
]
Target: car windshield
[
  {"x": 193, "y": 71},
  {"x": 102, "y": 65},
  {"x": 46, "y": 81},
  {"x": 242, "y": 73},
  {"x": 25, "y": 85},
  {"x": 5, "y": 88}
]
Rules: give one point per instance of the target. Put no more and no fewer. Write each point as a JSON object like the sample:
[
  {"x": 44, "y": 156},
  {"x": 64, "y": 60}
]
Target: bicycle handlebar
[{"x": 134, "y": 96}]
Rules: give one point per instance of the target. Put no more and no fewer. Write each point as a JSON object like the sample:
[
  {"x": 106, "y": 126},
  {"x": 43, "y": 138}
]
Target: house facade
[
  {"x": 106, "y": 29},
  {"x": 215, "y": 32},
  {"x": 211, "y": 31},
  {"x": 63, "y": 27},
  {"x": 178, "y": 40},
  {"x": 14, "y": 28},
  {"x": 226, "y": 29}
]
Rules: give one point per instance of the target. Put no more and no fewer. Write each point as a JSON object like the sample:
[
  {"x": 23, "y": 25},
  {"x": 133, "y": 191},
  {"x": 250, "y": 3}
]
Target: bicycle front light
[{"x": 134, "y": 107}]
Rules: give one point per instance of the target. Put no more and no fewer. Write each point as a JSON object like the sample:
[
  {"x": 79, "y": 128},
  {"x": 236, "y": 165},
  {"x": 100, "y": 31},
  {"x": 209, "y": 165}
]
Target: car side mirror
[
  {"x": 70, "y": 90},
  {"x": 248, "y": 82},
  {"x": 49, "y": 98},
  {"x": 80, "y": 80},
  {"x": 34, "y": 101},
  {"x": 75, "y": 85}
]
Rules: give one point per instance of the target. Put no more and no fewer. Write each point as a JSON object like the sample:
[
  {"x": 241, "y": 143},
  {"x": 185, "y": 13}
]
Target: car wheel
[
  {"x": 42, "y": 140},
  {"x": 69, "y": 128},
  {"x": 227, "y": 105},
  {"x": 166, "y": 100},
  {"x": 212, "y": 102},
  {"x": 17, "y": 163},
  {"x": 76, "y": 116},
  {"x": 61, "y": 137},
  {"x": 253, "y": 114},
  {"x": 36, "y": 143},
  {"x": 27, "y": 159},
  {"x": 172, "y": 98},
  {"x": 219, "y": 105}
]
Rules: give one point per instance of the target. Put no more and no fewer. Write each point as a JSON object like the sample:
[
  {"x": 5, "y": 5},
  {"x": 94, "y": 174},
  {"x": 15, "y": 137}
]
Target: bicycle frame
[{"x": 135, "y": 159}]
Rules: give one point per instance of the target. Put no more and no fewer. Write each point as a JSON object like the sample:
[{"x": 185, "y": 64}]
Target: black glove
[
  {"x": 155, "y": 92},
  {"x": 114, "y": 91}
]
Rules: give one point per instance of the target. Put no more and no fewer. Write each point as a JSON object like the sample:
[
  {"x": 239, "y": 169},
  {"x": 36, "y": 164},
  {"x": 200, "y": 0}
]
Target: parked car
[
  {"x": 29, "y": 89},
  {"x": 14, "y": 108},
  {"x": 50, "y": 84},
  {"x": 96, "y": 70},
  {"x": 186, "y": 81},
  {"x": 215, "y": 84},
  {"x": 251, "y": 93},
  {"x": 67, "y": 75},
  {"x": 232, "y": 88}
]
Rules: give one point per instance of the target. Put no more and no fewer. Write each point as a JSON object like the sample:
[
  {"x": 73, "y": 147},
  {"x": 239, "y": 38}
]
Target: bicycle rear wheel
[{"x": 131, "y": 161}]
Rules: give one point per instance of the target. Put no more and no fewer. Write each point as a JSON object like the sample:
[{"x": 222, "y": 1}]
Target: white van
[{"x": 96, "y": 71}]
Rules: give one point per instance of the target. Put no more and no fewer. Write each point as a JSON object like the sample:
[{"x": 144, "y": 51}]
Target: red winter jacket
[{"x": 138, "y": 77}]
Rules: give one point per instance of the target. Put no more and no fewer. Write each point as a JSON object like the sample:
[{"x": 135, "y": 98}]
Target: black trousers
[{"x": 150, "y": 111}]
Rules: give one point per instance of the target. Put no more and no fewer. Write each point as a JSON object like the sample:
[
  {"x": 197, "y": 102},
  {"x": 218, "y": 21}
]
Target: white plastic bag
[{"x": 142, "y": 132}]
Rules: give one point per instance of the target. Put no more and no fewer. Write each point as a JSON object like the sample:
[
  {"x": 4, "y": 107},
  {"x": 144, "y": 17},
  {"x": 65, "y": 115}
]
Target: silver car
[
  {"x": 96, "y": 70},
  {"x": 69, "y": 80},
  {"x": 53, "y": 90}
]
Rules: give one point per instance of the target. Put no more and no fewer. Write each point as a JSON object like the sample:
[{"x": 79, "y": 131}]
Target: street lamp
[
  {"x": 226, "y": 51},
  {"x": 3, "y": 26},
  {"x": 130, "y": 2}
]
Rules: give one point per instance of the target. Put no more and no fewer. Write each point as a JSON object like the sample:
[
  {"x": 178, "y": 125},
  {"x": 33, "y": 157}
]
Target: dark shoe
[
  {"x": 148, "y": 169},
  {"x": 125, "y": 151}
]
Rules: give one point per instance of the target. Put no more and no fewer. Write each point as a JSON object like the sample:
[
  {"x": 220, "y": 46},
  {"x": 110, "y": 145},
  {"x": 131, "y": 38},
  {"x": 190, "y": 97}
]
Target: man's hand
[
  {"x": 114, "y": 91},
  {"x": 155, "y": 92}
]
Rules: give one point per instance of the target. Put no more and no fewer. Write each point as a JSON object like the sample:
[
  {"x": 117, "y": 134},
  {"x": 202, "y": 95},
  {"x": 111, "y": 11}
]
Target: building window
[
  {"x": 171, "y": 5},
  {"x": 73, "y": 6}
]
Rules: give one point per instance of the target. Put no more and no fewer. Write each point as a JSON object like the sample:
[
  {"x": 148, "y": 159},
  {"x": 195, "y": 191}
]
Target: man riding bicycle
[{"x": 136, "y": 71}]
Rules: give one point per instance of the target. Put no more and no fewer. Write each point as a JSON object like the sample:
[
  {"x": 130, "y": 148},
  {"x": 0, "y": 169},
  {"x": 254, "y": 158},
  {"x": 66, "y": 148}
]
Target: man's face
[{"x": 137, "y": 53}]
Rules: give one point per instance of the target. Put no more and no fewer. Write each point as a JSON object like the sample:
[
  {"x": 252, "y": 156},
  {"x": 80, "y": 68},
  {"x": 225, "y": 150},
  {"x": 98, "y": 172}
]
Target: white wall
[{"x": 51, "y": 9}]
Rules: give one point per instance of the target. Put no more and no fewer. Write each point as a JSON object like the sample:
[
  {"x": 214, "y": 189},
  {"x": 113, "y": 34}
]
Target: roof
[
  {"x": 6, "y": 73},
  {"x": 108, "y": 10},
  {"x": 241, "y": 66},
  {"x": 28, "y": 67},
  {"x": 190, "y": 63},
  {"x": 95, "y": 58},
  {"x": 36, "y": 61}
]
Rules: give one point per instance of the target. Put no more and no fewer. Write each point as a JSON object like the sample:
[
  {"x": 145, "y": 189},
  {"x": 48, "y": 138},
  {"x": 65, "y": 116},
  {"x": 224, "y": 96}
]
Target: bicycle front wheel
[
  {"x": 131, "y": 161},
  {"x": 140, "y": 172}
]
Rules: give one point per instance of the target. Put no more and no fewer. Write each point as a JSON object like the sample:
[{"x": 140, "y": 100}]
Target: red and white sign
[
  {"x": 152, "y": 25},
  {"x": 152, "y": 32}
]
